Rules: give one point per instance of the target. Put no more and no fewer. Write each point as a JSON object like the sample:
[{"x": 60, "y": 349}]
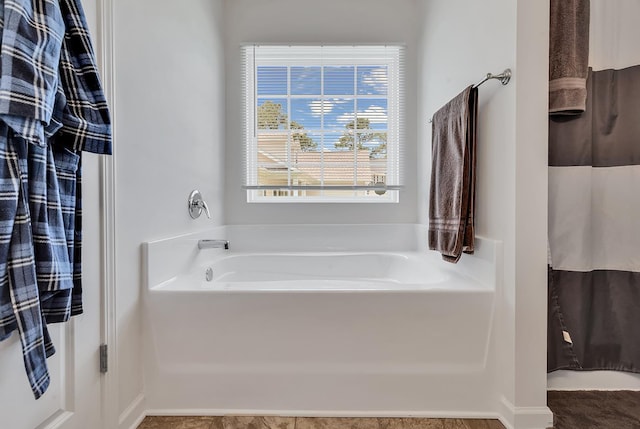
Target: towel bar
[{"x": 503, "y": 77}]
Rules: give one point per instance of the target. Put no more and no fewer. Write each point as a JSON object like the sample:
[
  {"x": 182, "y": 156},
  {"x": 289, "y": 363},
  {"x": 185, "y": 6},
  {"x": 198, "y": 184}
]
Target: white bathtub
[
  {"x": 318, "y": 271},
  {"x": 318, "y": 320}
]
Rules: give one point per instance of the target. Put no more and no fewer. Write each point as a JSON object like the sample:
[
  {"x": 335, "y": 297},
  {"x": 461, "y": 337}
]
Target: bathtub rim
[{"x": 164, "y": 259}]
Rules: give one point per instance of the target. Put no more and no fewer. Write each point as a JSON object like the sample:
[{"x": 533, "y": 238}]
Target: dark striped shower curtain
[{"x": 594, "y": 228}]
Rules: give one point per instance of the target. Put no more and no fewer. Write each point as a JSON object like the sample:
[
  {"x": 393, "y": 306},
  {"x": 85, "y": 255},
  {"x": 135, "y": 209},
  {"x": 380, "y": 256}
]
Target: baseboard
[
  {"x": 316, "y": 413},
  {"x": 524, "y": 417},
  {"x": 133, "y": 415},
  {"x": 58, "y": 419}
]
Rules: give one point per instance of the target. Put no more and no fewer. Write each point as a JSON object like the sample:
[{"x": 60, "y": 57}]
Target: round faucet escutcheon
[{"x": 196, "y": 204}]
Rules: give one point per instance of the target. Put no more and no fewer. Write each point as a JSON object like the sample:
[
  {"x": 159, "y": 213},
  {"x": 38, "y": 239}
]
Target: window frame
[{"x": 332, "y": 55}]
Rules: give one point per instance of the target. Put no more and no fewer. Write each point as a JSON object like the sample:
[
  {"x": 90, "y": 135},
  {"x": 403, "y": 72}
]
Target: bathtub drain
[{"x": 209, "y": 274}]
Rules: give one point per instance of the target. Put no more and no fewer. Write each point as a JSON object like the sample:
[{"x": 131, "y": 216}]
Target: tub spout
[{"x": 213, "y": 244}]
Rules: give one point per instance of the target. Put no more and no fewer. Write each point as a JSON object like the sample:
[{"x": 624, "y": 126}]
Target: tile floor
[
  {"x": 572, "y": 410},
  {"x": 240, "y": 422},
  {"x": 595, "y": 409}
]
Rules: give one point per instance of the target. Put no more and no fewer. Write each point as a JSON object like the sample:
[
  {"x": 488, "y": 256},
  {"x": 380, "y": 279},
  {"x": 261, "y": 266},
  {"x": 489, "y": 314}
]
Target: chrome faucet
[{"x": 213, "y": 244}]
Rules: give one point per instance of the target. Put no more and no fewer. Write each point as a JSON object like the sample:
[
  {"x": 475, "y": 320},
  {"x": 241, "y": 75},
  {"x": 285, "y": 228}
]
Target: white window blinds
[{"x": 323, "y": 123}]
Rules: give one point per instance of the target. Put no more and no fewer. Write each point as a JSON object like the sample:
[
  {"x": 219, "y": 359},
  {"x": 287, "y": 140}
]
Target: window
[{"x": 323, "y": 123}]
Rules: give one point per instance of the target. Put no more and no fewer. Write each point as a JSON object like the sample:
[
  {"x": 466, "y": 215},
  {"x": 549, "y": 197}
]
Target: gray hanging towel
[
  {"x": 568, "y": 56},
  {"x": 452, "y": 195}
]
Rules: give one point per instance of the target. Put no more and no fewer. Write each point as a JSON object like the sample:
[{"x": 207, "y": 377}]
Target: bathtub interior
[
  {"x": 301, "y": 350},
  {"x": 383, "y": 254},
  {"x": 394, "y": 267}
]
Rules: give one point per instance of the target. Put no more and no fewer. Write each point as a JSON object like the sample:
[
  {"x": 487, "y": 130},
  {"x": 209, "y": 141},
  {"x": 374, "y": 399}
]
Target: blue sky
[{"x": 338, "y": 105}]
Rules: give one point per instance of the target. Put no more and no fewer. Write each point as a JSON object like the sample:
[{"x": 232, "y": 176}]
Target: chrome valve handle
[
  {"x": 197, "y": 204},
  {"x": 204, "y": 206}
]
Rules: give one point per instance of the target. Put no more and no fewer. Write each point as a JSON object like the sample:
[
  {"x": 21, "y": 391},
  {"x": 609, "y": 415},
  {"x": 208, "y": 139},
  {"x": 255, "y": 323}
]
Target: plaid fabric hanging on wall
[{"x": 52, "y": 107}]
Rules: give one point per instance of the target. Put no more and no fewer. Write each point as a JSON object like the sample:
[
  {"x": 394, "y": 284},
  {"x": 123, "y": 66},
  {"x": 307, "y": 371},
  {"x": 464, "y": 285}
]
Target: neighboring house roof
[
  {"x": 379, "y": 166},
  {"x": 338, "y": 166},
  {"x": 334, "y": 167}
]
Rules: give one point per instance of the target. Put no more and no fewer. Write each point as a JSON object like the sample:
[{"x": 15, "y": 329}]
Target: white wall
[
  {"x": 310, "y": 21},
  {"x": 613, "y": 34},
  {"x": 531, "y": 190},
  {"x": 447, "y": 68},
  {"x": 613, "y": 37},
  {"x": 169, "y": 140},
  {"x": 462, "y": 41}
]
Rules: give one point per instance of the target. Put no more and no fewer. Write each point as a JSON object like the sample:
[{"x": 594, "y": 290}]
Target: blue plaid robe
[{"x": 51, "y": 107}]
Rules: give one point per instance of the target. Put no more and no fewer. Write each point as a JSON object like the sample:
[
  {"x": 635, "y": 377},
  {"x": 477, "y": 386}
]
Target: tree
[
  {"x": 347, "y": 139},
  {"x": 306, "y": 143},
  {"x": 271, "y": 117}
]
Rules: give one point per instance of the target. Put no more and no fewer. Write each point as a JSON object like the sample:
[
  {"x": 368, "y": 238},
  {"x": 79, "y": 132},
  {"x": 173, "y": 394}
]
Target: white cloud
[
  {"x": 375, "y": 114},
  {"x": 319, "y": 107},
  {"x": 377, "y": 79}
]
